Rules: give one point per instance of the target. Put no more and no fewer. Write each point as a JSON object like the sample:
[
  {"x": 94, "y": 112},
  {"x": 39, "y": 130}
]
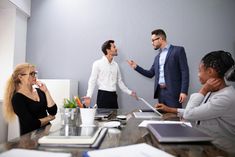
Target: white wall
[
  {"x": 20, "y": 38},
  {"x": 65, "y": 37},
  {"x": 7, "y": 40},
  {"x": 13, "y": 30}
]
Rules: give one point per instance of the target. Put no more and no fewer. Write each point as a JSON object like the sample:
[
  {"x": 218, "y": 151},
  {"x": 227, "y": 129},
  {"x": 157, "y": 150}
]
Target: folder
[{"x": 177, "y": 133}]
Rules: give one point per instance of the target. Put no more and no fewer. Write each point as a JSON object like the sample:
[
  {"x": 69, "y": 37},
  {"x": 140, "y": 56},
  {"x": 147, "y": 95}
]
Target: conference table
[{"x": 129, "y": 133}]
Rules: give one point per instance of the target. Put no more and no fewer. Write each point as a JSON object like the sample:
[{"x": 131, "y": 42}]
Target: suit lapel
[
  {"x": 157, "y": 61},
  {"x": 168, "y": 53}
]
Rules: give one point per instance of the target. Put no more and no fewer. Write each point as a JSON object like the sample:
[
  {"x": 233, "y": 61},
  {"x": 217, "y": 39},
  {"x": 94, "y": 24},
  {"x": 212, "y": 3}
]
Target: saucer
[
  {"x": 114, "y": 131},
  {"x": 112, "y": 124}
]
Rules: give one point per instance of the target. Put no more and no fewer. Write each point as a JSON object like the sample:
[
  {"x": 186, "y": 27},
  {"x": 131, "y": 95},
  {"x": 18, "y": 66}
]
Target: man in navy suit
[{"x": 170, "y": 69}]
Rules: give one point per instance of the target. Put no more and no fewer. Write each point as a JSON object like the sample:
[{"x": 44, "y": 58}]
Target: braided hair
[{"x": 222, "y": 62}]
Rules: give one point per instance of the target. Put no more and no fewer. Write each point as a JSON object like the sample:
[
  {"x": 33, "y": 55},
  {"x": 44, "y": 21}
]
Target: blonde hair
[{"x": 11, "y": 86}]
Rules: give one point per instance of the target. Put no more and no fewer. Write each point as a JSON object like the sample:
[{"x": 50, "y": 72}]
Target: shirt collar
[
  {"x": 165, "y": 48},
  {"x": 106, "y": 60}
]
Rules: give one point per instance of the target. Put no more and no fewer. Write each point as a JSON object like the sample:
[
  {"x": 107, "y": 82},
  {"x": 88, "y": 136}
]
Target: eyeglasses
[
  {"x": 155, "y": 39},
  {"x": 33, "y": 74}
]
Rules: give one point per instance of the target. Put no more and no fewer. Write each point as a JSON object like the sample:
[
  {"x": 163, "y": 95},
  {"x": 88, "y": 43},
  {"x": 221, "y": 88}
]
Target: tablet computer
[{"x": 150, "y": 106}]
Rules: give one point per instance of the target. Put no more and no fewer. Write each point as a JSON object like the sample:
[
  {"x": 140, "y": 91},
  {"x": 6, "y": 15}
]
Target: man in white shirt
[{"x": 106, "y": 73}]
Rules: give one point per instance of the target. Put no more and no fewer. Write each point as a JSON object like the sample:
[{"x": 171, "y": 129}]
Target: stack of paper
[
  {"x": 85, "y": 139},
  {"x": 32, "y": 153},
  {"x": 137, "y": 150}
]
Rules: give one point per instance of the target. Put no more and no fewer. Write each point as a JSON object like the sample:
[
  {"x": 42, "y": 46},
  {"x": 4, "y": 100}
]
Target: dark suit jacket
[{"x": 176, "y": 71}]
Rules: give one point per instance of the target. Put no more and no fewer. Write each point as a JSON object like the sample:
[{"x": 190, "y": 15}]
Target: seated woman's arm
[
  {"x": 47, "y": 119},
  {"x": 164, "y": 108}
]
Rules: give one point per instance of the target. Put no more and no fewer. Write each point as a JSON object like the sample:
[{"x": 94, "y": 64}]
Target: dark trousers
[
  {"x": 106, "y": 99},
  {"x": 165, "y": 97}
]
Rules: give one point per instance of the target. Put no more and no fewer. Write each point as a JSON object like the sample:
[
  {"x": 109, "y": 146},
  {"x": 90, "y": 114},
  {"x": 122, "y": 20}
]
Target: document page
[
  {"x": 137, "y": 150},
  {"x": 32, "y": 153},
  {"x": 146, "y": 122}
]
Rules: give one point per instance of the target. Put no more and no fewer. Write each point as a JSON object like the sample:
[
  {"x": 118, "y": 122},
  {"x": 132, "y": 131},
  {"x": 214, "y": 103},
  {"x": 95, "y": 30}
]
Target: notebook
[
  {"x": 103, "y": 113},
  {"x": 177, "y": 133},
  {"x": 96, "y": 143},
  {"x": 71, "y": 136}
]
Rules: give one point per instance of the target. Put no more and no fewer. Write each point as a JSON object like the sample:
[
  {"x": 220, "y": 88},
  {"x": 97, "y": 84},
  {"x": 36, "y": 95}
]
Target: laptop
[
  {"x": 147, "y": 115},
  {"x": 103, "y": 113},
  {"x": 177, "y": 133}
]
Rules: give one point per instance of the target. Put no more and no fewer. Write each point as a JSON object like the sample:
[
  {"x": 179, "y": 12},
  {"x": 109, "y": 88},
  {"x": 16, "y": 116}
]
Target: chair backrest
[
  {"x": 60, "y": 89},
  {"x": 13, "y": 129}
]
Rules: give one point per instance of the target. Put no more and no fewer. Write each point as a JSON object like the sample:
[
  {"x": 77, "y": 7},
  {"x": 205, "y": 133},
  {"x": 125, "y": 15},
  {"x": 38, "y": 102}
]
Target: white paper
[
  {"x": 137, "y": 150},
  {"x": 32, "y": 153},
  {"x": 146, "y": 122}
]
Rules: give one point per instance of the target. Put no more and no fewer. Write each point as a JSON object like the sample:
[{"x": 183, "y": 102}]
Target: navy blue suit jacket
[{"x": 176, "y": 71}]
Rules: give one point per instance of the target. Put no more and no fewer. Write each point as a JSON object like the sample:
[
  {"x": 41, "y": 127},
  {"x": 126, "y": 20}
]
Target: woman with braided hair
[{"x": 213, "y": 107}]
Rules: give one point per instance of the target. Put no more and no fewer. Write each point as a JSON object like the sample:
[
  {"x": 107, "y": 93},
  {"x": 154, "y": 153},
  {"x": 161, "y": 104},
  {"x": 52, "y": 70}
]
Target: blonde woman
[{"x": 33, "y": 106}]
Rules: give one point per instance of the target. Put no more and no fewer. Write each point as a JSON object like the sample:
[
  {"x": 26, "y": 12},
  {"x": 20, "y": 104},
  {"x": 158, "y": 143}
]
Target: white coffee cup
[{"x": 87, "y": 116}]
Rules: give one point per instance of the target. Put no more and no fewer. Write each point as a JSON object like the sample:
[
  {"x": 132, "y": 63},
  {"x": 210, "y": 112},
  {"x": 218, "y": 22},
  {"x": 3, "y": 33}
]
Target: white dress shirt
[
  {"x": 107, "y": 75},
  {"x": 162, "y": 59}
]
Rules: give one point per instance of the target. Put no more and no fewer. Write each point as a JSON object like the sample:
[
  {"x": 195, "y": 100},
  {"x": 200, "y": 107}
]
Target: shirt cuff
[{"x": 180, "y": 112}]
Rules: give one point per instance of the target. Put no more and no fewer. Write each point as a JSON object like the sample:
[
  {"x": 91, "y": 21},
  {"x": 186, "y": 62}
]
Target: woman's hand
[
  {"x": 211, "y": 85},
  {"x": 164, "y": 108},
  {"x": 46, "y": 119},
  {"x": 42, "y": 86},
  {"x": 51, "y": 117}
]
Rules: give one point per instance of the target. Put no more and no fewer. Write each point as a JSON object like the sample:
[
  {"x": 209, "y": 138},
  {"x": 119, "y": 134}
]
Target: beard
[
  {"x": 114, "y": 54},
  {"x": 157, "y": 47}
]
